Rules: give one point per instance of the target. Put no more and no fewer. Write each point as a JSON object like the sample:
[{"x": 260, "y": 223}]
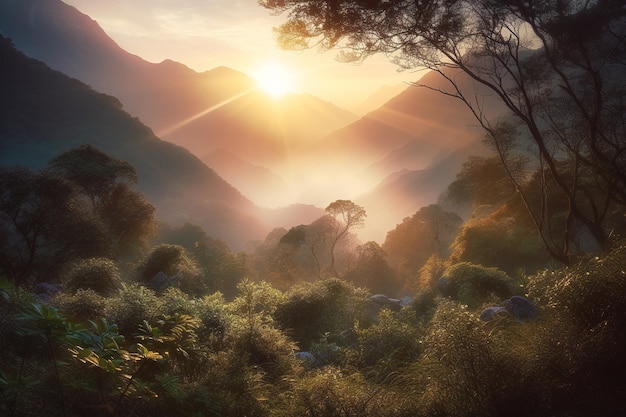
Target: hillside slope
[{"x": 44, "y": 113}]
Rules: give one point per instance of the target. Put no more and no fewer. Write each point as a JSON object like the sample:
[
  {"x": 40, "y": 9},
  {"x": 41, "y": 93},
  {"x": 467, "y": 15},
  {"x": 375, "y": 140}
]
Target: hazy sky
[{"x": 204, "y": 34}]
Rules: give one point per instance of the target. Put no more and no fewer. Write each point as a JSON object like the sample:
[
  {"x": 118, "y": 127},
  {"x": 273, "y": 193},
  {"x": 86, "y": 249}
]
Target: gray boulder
[
  {"x": 44, "y": 291},
  {"x": 305, "y": 357},
  {"x": 521, "y": 308},
  {"x": 491, "y": 313},
  {"x": 384, "y": 301},
  {"x": 162, "y": 282}
]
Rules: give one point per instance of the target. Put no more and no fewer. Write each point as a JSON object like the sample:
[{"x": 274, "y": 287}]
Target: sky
[{"x": 204, "y": 34}]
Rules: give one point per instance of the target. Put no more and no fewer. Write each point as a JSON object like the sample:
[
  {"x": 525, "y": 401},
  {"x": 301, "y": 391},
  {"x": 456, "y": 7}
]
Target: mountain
[
  {"x": 404, "y": 192},
  {"x": 216, "y": 109},
  {"x": 44, "y": 112},
  {"x": 261, "y": 185},
  {"x": 411, "y": 131},
  {"x": 379, "y": 98}
]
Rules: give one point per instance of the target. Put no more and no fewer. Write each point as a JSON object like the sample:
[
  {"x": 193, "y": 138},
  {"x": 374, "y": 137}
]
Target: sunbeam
[{"x": 188, "y": 120}]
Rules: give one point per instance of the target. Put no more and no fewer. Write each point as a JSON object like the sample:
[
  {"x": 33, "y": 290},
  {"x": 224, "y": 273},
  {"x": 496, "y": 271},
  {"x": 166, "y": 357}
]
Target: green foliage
[
  {"x": 430, "y": 231},
  {"x": 252, "y": 334},
  {"x": 221, "y": 269},
  {"x": 106, "y": 182},
  {"x": 44, "y": 225},
  {"x": 93, "y": 170},
  {"x": 333, "y": 392},
  {"x": 80, "y": 306},
  {"x": 429, "y": 274},
  {"x": 500, "y": 240},
  {"x": 457, "y": 374},
  {"x": 372, "y": 271},
  {"x": 173, "y": 261},
  {"x": 98, "y": 274},
  {"x": 482, "y": 181},
  {"x": 388, "y": 345},
  {"x": 474, "y": 285},
  {"x": 131, "y": 306},
  {"x": 309, "y": 311},
  {"x": 585, "y": 315},
  {"x": 176, "y": 354}
]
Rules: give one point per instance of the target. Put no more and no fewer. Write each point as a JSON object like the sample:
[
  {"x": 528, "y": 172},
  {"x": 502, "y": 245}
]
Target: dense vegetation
[
  {"x": 519, "y": 310},
  {"x": 102, "y": 319}
]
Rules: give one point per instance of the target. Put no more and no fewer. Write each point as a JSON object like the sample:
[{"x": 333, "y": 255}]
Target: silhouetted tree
[
  {"x": 43, "y": 225},
  {"x": 95, "y": 172},
  {"x": 350, "y": 216},
  {"x": 430, "y": 231},
  {"x": 372, "y": 271},
  {"x": 482, "y": 181},
  {"x": 105, "y": 181},
  {"x": 221, "y": 269}
]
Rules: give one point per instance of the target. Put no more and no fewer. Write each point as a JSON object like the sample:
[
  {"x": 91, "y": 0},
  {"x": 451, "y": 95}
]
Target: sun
[{"x": 275, "y": 79}]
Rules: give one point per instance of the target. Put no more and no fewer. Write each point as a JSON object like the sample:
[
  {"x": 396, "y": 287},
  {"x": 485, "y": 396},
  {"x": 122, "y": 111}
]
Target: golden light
[{"x": 275, "y": 79}]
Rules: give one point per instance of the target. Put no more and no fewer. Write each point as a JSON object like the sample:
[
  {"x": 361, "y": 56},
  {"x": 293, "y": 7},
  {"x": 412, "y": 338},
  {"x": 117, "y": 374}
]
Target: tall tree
[
  {"x": 349, "y": 216},
  {"x": 106, "y": 182},
  {"x": 372, "y": 271},
  {"x": 556, "y": 65},
  {"x": 95, "y": 172},
  {"x": 44, "y": 224},
  {"x": 430, "y": 231}
]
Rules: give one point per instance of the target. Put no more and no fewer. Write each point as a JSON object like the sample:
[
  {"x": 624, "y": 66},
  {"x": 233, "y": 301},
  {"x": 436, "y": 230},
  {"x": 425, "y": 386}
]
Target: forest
[
  {"x": 506, "y": 296},
  {"x": 150, "y": 319}
]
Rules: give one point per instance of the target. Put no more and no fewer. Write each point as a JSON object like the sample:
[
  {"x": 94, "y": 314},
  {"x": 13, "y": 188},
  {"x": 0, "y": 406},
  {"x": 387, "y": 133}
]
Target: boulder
[
  {"x": 161, "y": 281},
  {"x": 491, "y": 313},
  {"x": 384, "y": 301},
  {"x": 305, "y": 357},
  {"x": 521, "y": 308}
]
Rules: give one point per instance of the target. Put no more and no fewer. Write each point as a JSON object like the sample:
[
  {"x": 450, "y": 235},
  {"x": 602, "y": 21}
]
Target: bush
[
  {"x": 98, "y": 274},
  {"x": 331, "y": 391},
  {"x": 173, "y": 261},
  {"x": 456, "y": 373},
  {"x": 311, "y": 310},
  {"x": 210, "y": 310},
  {"x": 132, "y": 305},
  {"x": 474, "y": 285},
  {"x": 585, "y": 319},
  {"x": 389, "y": 345},
  {"x": 501, "y": 242},
  {"x": 81, "y": 306}
]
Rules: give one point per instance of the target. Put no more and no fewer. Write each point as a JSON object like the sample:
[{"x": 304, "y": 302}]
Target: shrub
[
  {"x": 210, "y": 310},
  {"x": 131, "y": 306},
  {"x": 331, "y": 391},
  {"x": 585, "y": 320},
  {"x": 311, "y": 310},
  {"x": 172, "y": 260},
  {"x": 98, "y": 274},
  {"x": 390, "y": 344},
  {"x": 81, "y": 306},
  {"x": 473, "y": 285},
  {"x": 457, "y": 373}
]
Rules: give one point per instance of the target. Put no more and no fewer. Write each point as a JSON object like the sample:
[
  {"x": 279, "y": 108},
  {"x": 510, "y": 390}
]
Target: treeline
[{"x": 106, "y": 312}]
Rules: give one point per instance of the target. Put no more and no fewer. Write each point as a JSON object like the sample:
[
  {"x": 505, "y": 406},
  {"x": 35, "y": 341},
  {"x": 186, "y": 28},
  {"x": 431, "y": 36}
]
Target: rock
[
  {"x": 491, "y": 313},
  {"x": 384, "y": 301},
  {"x": 161, "y": 281},
  {"x": 45, "y": 291},
  {"x": 379, "y": 299},
  {"x": 521, "y": 308},
  {"x": 306, "y": 357},
  {"x": 45, "y": 288}
]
